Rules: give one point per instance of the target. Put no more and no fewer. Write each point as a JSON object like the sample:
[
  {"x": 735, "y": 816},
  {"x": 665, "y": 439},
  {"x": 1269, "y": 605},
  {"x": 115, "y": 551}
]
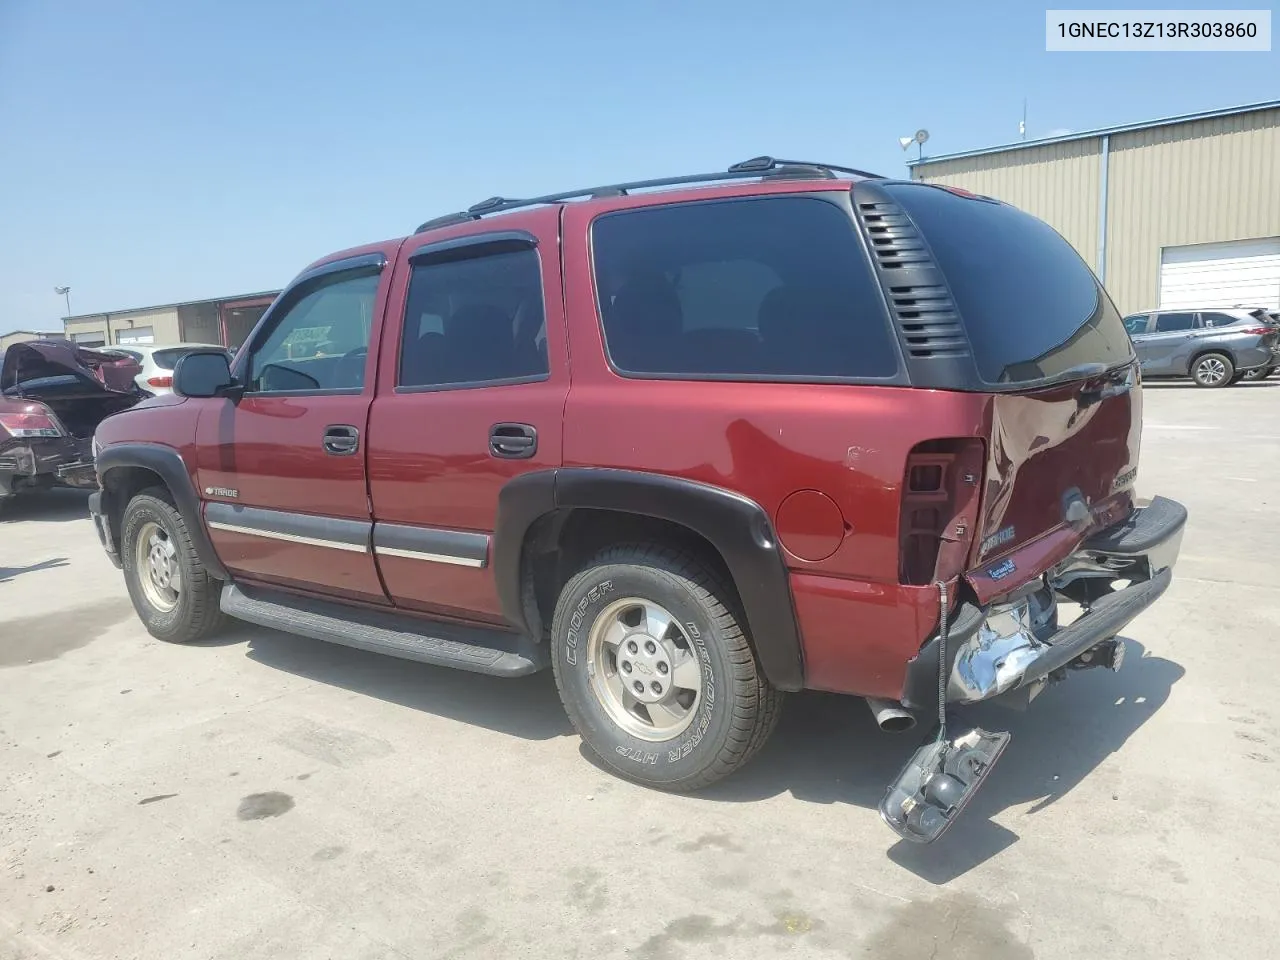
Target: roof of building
[
  {"x": 165, "y": 306},
  {"x": 1100, "y": 132}
]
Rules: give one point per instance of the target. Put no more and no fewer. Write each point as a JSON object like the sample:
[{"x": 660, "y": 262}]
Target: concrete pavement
[{"x": 265, "y": 796}]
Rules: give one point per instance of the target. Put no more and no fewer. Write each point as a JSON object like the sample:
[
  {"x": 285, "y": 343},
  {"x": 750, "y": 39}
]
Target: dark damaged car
[{"x": 53, "y": 395}]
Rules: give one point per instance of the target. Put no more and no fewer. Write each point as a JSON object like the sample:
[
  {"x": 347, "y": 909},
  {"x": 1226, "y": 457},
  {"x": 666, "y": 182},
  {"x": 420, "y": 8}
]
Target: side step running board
[{"x": 477, "y": 649}]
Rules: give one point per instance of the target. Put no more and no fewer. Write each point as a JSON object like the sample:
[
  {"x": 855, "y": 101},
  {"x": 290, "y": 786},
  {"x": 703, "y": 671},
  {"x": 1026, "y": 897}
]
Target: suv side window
[
  {"x": 1217, "y": 319},
  {"x": 1170, "y": 322},
  {"x": 321, "y": 342},
  {"x": 758, "y": 288},
  {"x": 1136, "y": 324},
  {"x": 477, "y": 321}
]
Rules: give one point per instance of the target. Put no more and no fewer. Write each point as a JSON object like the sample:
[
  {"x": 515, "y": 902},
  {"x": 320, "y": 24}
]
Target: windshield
[{"x": 1031, "y": 307}]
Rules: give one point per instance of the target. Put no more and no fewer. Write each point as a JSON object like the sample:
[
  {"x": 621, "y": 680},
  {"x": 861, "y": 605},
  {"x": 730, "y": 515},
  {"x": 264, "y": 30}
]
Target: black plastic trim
[
  {"x": 916, "y": 293},
  {"x": 467, "y": 246},
  {"x": 521, "y": 502},
  {"x": 1105, "y": 619},
  {"x": 335, "y": 530},
  {"x": 168, "y": 464},
  {"x": 102, "y": 525},
  {"x": 472, "y": 384},
  {"x": 463, "y": 647},
  {"x": 756, "y": 167},
  {"x": 1143, "y": 530},
  {"x": 459, "y": 544},
  {"x": 736, "y": 526},
  {"x": 332, "y": 392}
]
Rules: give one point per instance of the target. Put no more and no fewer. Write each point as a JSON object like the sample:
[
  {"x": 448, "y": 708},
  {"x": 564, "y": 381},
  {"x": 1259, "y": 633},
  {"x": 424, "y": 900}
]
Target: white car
[{"x": 158, "y": 362}]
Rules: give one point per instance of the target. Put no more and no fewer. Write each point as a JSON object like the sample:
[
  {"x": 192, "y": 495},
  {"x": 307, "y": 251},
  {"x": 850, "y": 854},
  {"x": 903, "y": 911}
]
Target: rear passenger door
[
  {"x": 473, "y": 376},
  {"x": 1167, "y": 348}
]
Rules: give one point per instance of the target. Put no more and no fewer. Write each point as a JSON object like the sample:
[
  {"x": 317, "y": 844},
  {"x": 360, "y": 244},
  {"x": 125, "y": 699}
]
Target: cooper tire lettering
[{"x": 735, "y": 709}]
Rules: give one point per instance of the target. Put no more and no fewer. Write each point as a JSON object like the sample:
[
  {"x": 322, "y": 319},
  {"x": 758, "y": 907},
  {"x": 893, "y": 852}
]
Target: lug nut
[
  {"x": 656, "y": 687},
  {"x": 626, "y": 666},
  {"x": 650, "y": 648},
  {"x": 631, "y": 645},
  {"x": 663, "y": 668},
  {"x": 639, "y": 686}
]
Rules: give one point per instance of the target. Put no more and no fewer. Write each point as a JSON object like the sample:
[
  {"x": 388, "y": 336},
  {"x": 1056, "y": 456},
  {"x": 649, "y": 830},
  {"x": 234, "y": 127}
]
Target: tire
[
  {"x": 1255, "y": 374},
  {"x": 733, "y": 710},
  {"x": 194, "y": 612},
  {"x": 1213, "y": 370}
]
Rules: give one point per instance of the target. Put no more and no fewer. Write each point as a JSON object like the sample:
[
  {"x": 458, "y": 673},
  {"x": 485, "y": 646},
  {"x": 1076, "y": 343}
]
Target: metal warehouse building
[
  {"x": 226, "y": 321},
  {"x": 1175, "y": 213}
]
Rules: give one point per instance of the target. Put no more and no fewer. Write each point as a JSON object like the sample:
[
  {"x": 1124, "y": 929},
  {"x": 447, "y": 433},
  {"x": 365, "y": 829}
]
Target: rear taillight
[
  {"x": 939, "y": 509},
  {"x": 1260, "y": 331},
  {"x": 28, "y": 425},
  {"x": 160, "y": 381}
]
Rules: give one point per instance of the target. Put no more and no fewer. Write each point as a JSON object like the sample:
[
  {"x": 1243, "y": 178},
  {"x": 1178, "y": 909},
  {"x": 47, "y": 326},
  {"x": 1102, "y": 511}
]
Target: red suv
[{"x": 692, "y": 443}]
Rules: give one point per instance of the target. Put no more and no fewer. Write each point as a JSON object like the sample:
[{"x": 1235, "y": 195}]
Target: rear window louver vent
[{"x": 925, "y": 314}]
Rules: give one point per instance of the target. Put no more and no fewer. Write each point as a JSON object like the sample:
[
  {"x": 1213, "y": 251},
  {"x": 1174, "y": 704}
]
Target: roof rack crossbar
[{"x": 746, "y": 170}]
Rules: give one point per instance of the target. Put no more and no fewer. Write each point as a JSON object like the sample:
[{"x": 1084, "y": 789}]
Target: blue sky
[{"x": 156, "y": 151}]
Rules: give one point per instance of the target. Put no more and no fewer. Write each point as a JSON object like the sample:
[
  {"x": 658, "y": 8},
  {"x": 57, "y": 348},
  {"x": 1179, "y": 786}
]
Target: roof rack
[{"x": 756, "y": 167}]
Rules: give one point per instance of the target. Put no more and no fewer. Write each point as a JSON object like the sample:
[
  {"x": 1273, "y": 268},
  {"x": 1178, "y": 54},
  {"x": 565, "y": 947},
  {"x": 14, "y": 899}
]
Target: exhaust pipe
[{"x": 890, "y": 715}]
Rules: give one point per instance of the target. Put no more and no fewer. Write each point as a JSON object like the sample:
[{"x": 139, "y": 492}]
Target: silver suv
[{"x": 1212, "y": 347}]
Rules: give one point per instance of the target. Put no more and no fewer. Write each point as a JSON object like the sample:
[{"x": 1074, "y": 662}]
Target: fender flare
[
  {"x": 735, "y": 525},
  {"x": 172, "y": 469}
]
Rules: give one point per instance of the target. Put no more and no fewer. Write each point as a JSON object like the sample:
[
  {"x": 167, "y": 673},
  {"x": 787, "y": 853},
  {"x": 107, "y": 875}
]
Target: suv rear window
[
  {"x": 759, "y": 288},
  {"x": 1029, "y": 304}
]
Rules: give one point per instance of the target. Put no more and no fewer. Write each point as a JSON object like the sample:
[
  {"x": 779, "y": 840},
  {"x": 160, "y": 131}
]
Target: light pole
[{"x": 64, "y": 292}]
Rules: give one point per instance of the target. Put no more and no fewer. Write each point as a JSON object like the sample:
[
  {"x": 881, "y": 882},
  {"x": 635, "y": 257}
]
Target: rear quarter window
[
  {"x": 1030, "y": 305},
  {"x": 757, "y": 288}
]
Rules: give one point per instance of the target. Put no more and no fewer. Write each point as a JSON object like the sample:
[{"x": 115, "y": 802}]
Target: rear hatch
[
  {"x": 1042, "y": 341},
  {"x": 81, "y": 387}
]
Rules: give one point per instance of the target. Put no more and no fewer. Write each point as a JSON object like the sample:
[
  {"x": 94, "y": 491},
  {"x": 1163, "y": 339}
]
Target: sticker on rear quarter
[{"x": 1001, "y": 570}]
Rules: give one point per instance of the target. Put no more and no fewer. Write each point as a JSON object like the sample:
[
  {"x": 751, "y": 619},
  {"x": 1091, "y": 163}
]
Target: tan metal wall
[
  {"x": 1206, "y": 181},
  {"x": 22, "y": 336},
  {"x": 1058, "y": 183},
  {"x": 163, "y": 322}
]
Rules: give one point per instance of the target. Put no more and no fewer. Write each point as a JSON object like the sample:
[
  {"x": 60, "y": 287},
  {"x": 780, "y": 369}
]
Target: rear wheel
[
  {"x": 1213, "y": 370},
  {"x": 655, "y": 672},
  {"x": 174, "y": 595}
]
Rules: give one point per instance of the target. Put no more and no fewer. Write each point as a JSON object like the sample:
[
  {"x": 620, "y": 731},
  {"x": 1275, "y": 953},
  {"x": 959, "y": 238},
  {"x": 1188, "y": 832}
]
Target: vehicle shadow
[
  {"x": 8, "y": 573},
  {"x": 48, "y": 505},
  {"x": 827, "y": 750},
  {"x": 526, "y": 707}
]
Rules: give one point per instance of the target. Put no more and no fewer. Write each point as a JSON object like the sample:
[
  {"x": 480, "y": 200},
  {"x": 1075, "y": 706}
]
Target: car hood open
[{"x": 61, "y": 368}]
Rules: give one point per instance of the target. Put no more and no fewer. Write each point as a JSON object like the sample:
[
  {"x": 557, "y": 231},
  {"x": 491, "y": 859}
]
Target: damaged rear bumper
[{"x": 1018, "y": 644}]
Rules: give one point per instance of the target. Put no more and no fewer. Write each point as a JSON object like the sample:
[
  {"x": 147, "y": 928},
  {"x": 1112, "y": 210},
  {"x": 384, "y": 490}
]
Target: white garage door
[
  {"x": 1242, "y": 273},
  {"x": 135, "y": 335}
]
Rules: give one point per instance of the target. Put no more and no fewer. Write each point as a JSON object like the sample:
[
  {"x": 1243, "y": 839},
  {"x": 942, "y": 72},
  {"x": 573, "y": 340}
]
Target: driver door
[{"x": 282, "y": 471}]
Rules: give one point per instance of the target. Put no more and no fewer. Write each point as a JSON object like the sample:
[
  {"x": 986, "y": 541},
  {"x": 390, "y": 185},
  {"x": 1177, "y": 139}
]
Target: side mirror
[{"x": 203, "y": 373}]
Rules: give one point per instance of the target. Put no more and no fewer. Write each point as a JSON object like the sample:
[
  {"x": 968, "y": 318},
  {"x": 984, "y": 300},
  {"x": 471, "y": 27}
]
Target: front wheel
[
  {"x": 654, "y": 670},
  {"x": 1213, "y": 370},
  {"x": 174, "y": 595}
]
